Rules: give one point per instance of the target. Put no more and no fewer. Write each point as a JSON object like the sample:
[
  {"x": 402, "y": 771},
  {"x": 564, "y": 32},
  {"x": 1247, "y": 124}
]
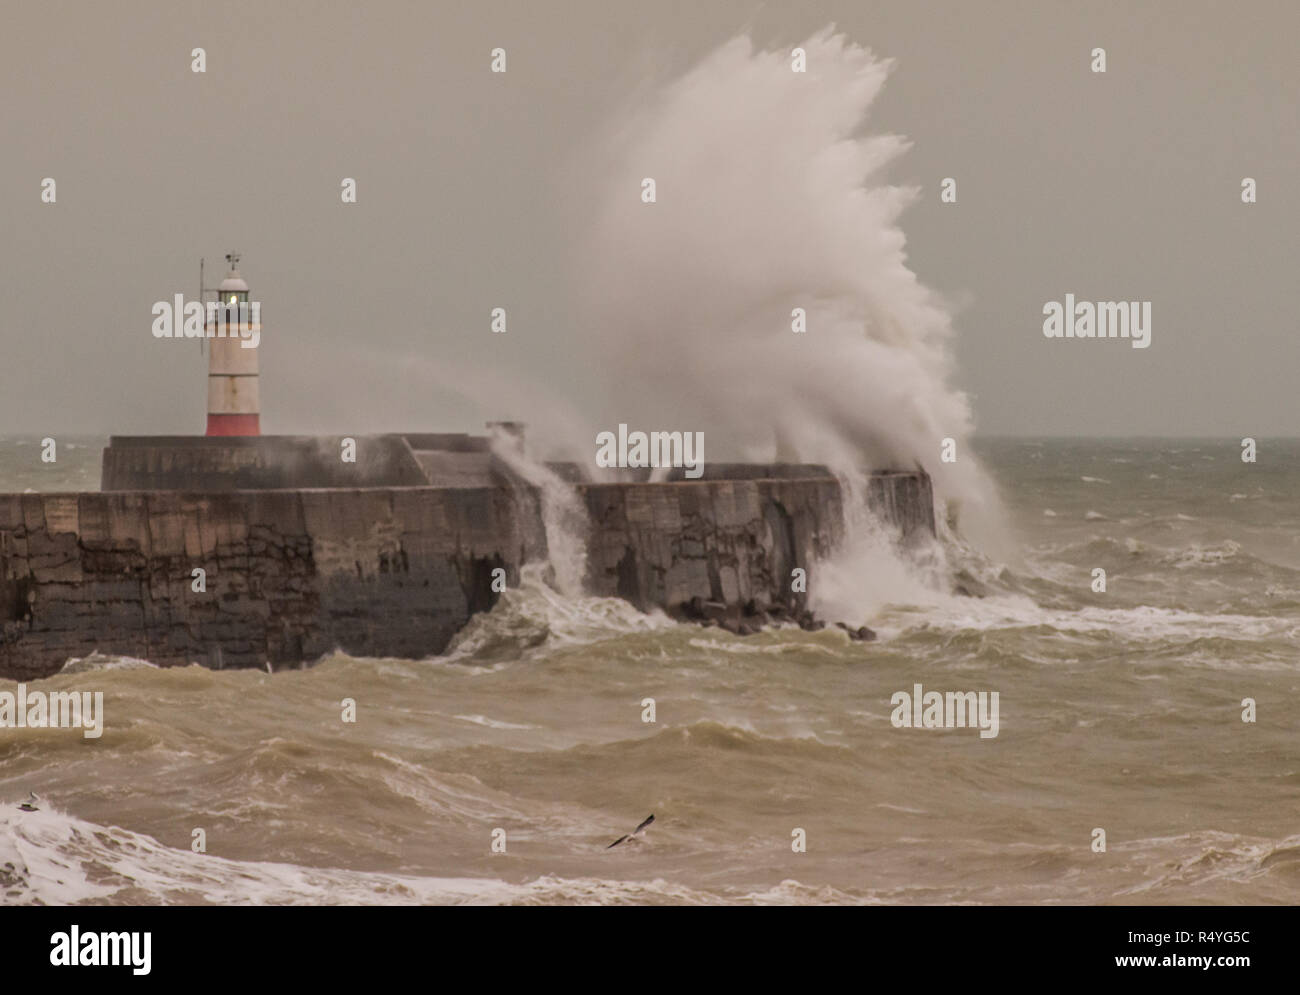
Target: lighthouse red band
[{"x": 233, "y": 403}]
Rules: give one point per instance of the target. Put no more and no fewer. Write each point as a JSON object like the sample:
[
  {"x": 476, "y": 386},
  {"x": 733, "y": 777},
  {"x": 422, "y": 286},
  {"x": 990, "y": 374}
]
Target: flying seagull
[
  {"x": 633, "y": 834},
  {"x": 29, "y": 805}
]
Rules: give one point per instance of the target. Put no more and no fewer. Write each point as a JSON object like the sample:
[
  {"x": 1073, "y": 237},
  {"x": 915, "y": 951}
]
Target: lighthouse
[{"x": 233, "y": 330}]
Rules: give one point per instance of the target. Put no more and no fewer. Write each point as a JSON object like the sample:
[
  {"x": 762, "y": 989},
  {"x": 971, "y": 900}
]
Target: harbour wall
[{"x": 290, "y": 575}]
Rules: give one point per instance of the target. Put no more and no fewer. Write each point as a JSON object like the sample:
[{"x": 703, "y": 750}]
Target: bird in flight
[
  {"x": 633, "y": 834},
  {"x": 29, "y": 805}
]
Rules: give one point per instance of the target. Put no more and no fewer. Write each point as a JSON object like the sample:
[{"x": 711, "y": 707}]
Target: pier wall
[
  {"x": 291, "y": 575},
  {"x": 731, "y": 541}
]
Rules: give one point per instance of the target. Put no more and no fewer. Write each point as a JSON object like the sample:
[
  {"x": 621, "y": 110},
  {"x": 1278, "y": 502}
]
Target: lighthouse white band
[{"x": 233, "y": 395}]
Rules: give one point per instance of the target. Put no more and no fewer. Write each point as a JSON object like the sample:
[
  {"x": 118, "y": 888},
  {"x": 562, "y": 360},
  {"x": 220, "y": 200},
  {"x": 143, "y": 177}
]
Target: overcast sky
[{"x": 471, "y": 194}]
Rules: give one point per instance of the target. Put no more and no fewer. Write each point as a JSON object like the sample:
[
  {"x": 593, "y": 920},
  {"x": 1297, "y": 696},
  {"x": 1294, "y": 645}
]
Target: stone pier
[{"x": 292, "y": 573}]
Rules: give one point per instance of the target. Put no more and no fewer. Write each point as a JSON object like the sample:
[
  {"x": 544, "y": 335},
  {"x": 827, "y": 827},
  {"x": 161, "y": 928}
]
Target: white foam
[
  {"x": 100, "y": 661},
  {"x": 535, "y": 614},
  {"x": 1140, "y": 623},
  {"x": 483, "y": 720},
  {"x": 55, "y": 857},
  {"x": 700, "y": 285},
  {"x": 563, "y": 516}
]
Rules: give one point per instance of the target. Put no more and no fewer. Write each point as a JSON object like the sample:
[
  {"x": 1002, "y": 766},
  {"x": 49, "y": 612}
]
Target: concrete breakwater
[
  {"x": 728, "y": 548},
  {"x": 291, "y": 574}
]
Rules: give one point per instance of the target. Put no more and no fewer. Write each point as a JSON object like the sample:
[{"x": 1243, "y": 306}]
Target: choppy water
[{"x": 1119, "y": 710}]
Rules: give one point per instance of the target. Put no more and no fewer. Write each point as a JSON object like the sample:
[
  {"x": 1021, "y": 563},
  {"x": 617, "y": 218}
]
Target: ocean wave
[
  {"x": 99, "y": 661},
  {"x": 1208, "y": 555},
  {"x": 1145, "y": 623},
  {"x": 1212, "y": 858},
  {"x": 49, "y": 858},
  {"x": 483, "y": 720},
  {"x": 535, "y": 615},
  {"x": 1056, "y": 560}
]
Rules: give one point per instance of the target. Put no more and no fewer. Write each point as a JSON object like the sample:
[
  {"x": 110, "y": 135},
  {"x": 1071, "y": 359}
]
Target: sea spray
[
  {"x": 869, "y": 569},
  {"x": 534, "y": 619},
  {"x": 563, "y": 515},
  {"x": 770, "y": 198}
]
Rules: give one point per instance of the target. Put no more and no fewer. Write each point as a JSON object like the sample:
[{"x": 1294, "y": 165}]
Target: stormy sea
[{"x": 1120, "y": 710}]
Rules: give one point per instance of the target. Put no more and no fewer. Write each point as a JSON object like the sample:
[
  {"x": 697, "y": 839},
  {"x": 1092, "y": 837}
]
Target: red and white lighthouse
[{"x": 233, "y": 330}]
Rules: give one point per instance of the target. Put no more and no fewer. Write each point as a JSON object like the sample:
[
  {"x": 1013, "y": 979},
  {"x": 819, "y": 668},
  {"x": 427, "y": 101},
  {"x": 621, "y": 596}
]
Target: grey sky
[{"x": 472, "y": 194}]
